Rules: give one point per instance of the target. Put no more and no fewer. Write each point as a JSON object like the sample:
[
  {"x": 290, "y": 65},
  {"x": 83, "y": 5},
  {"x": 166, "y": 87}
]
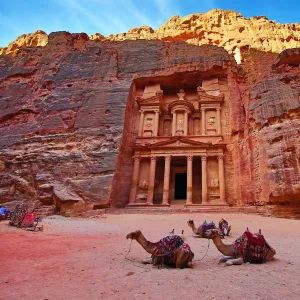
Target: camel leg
[
  {"x": 181, "y": 259},
  {"x": 147, "y": 260},
  {"x": 236, "y": 261},
  {"x": 225, "y": 258}
]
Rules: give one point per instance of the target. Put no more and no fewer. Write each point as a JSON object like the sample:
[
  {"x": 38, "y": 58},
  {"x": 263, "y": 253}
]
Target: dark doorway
[{"x": 180, "y": 186}]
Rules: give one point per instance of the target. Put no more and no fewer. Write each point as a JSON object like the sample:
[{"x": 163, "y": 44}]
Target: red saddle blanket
[
  {"x": 254, "y": 247},
  {"x": 168, "y": 244},
  {"x": 28, "y": 220}
]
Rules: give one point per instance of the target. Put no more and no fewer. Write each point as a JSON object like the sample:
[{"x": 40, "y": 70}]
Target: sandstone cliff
[{"x": 224, "y": 28}]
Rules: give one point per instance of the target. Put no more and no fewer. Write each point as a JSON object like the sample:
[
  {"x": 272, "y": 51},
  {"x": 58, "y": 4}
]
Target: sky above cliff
[{"x": 115, "y": 16}]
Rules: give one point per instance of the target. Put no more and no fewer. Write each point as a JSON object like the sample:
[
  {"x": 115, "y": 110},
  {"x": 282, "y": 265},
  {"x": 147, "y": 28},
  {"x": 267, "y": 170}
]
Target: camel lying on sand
[
  {"x": 240, "y": 251},
  {"x": 200, "y": 230},
  {"x": 171, "y": 250}
]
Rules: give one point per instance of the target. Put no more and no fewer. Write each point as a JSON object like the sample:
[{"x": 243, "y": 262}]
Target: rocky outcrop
[
  {"x": 223, "y": 28},
  {"x": 37, "y": 39}
]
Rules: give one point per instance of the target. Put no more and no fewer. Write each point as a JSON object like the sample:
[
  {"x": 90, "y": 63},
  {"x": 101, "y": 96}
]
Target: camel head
[
  {"x": 133, "y": 235},
  {"x": 190, "y": 223},
  {"x": 211, "y": 233}
]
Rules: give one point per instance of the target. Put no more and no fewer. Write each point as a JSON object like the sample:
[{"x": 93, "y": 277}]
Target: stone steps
[{"x": 196, "y": 209}]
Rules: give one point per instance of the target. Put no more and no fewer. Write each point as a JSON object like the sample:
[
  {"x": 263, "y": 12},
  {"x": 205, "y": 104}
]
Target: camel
[
  {"x": 199, "y": 232},
  {"x": 230, "y": 256},
  {"x": 180, "y": 257}
]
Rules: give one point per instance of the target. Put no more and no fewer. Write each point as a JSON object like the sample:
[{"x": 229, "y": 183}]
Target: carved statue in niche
[
  {"x": 181, "y": 95},
  {"x": 212, "y": 121},
  {"x": 143, "y": 185},
  {"x": 214, "y": 183},
  {"x": 180, "y": 124},
  {"x": 167, "y": 131},
  {"x": 197, "y": 130},
  {"x": 148, "y": 123}
]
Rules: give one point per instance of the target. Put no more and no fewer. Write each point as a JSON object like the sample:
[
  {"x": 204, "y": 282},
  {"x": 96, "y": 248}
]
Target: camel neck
[
  {"x": 148, "y": 246},
  {"x": 223, "y": 248},
  {"x": 195, "y": 230}
]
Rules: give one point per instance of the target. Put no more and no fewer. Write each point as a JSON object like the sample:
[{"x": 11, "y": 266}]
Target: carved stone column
[
  {"x": 156, "y": 123},
  {"x": 174, "y": 123},
  {"x": 218, "y": 121},
  {"x": 141, "y": 125},
  {"x": 151, "y": 180},
  {"x": 221, "y": 178},
  {"x": 189, "y": 194},
  {"x": 135, "y": 178},
  {"x": 186, "y": 123},
  {"x": 167, "y": 180},
  {"x": 203, "y": 121},
  {"x": 204, "y": 180}
]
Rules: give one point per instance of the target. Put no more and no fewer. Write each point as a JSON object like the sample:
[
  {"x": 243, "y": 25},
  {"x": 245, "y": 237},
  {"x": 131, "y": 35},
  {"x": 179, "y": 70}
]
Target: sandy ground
[{"x": 85, "y": 259}]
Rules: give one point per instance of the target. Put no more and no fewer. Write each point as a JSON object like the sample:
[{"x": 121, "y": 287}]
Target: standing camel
[
  {"x": 238, "y": 253},
  {"x": 171, "y": 250}
]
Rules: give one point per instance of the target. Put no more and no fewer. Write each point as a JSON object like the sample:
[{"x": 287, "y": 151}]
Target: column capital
[
  {"x": 220, "y": 156},
  {"x": 141, "y": 111},
  {"x": 190, "y": 157},
  {"x": 203, "y": 108},
  {"x": 168, "y": 157},
  {"x": 218, "y": 108},
  {"x": 153, "y": 157},
  {"x": 136, "y": 158},
  {"x": 204, "y": 157},
  {"x": 156, "y": 111}
]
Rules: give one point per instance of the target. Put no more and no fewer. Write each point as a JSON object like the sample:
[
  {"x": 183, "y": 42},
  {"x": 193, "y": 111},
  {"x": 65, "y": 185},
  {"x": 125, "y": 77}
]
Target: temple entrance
[{"x": 180, "y": 186}]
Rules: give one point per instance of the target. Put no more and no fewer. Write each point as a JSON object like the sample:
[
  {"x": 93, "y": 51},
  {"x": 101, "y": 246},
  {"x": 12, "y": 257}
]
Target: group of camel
[{"x": 181, "y": 256}]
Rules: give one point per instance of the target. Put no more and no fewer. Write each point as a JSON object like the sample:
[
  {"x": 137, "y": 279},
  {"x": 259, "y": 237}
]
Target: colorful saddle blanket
[
  {"x": 206, "y": 226},
  {"x": 253, "y": 247},
  {"x": 223, "y": 226},
  {"x": 168, "y": 244}
]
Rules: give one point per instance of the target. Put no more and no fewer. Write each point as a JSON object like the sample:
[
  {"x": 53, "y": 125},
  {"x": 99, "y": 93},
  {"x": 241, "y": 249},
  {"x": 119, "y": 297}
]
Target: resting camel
[
  {"x": 200, "y": 232},
  {"x": 230, "y": 256},
  {"x": 180, "y": 257}
]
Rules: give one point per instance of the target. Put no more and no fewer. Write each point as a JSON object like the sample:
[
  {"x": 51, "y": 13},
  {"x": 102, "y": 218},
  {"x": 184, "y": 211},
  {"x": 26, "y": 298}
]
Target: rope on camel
[
  {"x": 132, "y": 261},
  {"x": 205, "y": 252}
]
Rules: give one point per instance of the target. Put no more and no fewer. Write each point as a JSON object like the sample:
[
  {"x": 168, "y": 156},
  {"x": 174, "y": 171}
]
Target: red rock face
[
  {"x": 274, "y": 111},
  {"x": 67, "y": 115}
]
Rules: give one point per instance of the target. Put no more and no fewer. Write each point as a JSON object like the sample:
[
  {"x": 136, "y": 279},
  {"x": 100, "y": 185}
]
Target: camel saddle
[
  {"x": 253, "y": 247},
  {"x": 207, "y": 226},
  {"x": 166, "y": 246},
  {"x": 223, "y": 224}
]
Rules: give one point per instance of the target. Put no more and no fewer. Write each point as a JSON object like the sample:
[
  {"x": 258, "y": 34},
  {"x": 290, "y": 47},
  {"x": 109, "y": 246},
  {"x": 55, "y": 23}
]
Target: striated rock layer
[{"x": 67, "y": 112}]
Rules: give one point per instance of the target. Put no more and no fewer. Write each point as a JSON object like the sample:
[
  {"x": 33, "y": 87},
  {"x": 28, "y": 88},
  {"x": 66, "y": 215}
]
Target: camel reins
[
  {"x": 205, "y": 252},
  {"x": 133, "y": 262}
]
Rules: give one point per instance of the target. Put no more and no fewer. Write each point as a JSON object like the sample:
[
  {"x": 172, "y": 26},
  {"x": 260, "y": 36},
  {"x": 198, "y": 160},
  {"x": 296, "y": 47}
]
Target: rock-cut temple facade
[{"x": 179, "y": 149}]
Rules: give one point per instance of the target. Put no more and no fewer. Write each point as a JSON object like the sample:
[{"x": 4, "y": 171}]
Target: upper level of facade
[{"x": 196, "y": 113}]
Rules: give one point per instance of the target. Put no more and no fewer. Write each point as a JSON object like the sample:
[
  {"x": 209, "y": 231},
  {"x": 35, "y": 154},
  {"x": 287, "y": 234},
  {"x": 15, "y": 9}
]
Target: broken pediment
[
  {"x": 179, "y": 142},
  {"x": 205, "y": 97},
  {"x": 152, "y": 101}
]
